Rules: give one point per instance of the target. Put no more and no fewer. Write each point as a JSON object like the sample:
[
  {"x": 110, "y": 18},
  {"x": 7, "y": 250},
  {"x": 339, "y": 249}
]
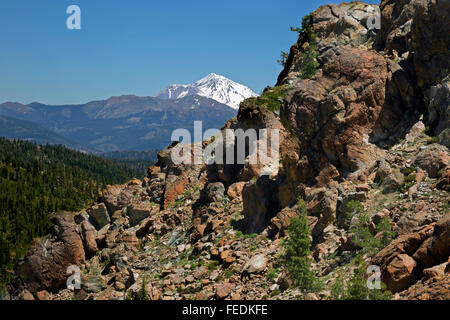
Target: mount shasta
[{"x": 127, "y": 122}]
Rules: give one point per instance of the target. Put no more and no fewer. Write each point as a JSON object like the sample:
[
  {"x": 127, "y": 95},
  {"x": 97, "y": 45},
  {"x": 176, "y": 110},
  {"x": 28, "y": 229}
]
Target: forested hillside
[
  {"x": 150, "y": 155},
  {"x": 38, "y": 180}
]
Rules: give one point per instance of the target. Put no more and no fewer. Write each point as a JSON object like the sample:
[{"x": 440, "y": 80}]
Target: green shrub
[
  {"x": 309, "y": 64},
  {"x": 212, "y": 265},
  {"x": 270, "y": 98},
  {"x": 361, "y": 233},
  {"x": 409, "y": 170},
  {"x": 384, "y": 226},
  {"x": 272, "y": 274},
  {"x": 228, "y": 273},
  {"x": 275, "y": 293},
  {"x": 283, "y": 58},
  {"x": 408, "y": 182},
  {"x": 250, "y": 236},
  {"x": 297, "y": 251},
  {"x": 305, "y": 32},
  {"x": 356, "y": 287},
  {"x": 142, "y": 294}
]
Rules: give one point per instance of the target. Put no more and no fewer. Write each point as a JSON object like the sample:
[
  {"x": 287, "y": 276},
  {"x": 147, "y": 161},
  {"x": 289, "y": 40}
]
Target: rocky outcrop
[
  {"x": 138, "y": 212},
  {"x": 260, "y": 203},
  {"x": 435, "y": 249},
  {"x": 426, "y": 34},
  {"x": 344, "y": 24},
  {"x": 99, "y": 214},
  {"x": 430, "y": 44},
  {"x": 398, "y": 267},
  {"x": 354, "y": 145},
  {"x": 433, "y": 159},
  {"x": 45, "y": 265},
  {"x": 322, "y": 204},
  {"x": 404, "y": 260}
]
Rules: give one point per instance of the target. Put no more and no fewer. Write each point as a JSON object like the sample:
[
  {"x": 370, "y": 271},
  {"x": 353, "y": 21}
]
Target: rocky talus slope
[{"x": 369, "y": 123}]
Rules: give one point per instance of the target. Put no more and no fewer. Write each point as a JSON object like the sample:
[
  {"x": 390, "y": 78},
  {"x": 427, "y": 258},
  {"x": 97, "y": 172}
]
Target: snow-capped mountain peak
[{"x": 212, "y": 86}]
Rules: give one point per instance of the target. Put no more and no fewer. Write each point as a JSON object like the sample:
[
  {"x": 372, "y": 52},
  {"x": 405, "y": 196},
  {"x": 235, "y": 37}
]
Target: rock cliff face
[{"x": 363, "y": 119}]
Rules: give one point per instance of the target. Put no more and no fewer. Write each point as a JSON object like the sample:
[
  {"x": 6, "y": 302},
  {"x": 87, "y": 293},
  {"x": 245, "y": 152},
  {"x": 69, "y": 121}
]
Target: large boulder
[
  {"x": 99, "y": 215},
  {"x": 396, "y": 20},
  {"x": 399, "y": 273},
  {"x": 437, "y": 100},
  {"x": 433, "y": 159},
  {"x": 45, "y": 264},
  {"x": 111, "y": 198},
  {"x": 435, "y": 249},
  {"x": 235, "y": 190},
  {"x": 360, "y": 101},
  {"x": 256, "y": 264},
  {"x": 88, "y": 235},
  {"x": 260, "y": 203},
  {"x": 430, "y": 41},
  {"x": 214, "y": 192},
  {"x": 322, "y": 204},
  {"x": 139, "y": 211},
  {"x": 341, "y": 24},
  {"x": 399, "y": 269}
]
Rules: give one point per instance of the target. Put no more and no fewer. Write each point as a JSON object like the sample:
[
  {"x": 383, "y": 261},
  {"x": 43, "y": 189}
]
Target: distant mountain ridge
[
  {"x": 25, "y": 130},
  {"x": 119, "y": 123},
  {"x": 212, "y": 86}
]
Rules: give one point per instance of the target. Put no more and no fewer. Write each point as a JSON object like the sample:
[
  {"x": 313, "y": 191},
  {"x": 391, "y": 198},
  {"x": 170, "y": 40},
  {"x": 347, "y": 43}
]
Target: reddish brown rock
[
  {"x": 433, "y": 289},
  {"x": 433, "y": 272},
  {"x": 235, "y": 190},
  {"x": 399, "y": 273},
  {"x": 433, "y": 159},
  {"x": 26, "y": 295},
  {"x": 173, "y": 190},
  {"x": 199, "y": 272},
  {"x": 45, "y": 264},
  {"x": 322, "y": 204},
  {"x": 227, "y": 257},
  {"x": 444, "y": 180},
  {"x": 88, "y": 236},
  {"x": 280, "y": 223},
  {"x": 140, "y": 211},
  {"x": 111, "y": 198},
  {"x": 129, "y": 238},
  {"x": 224, "y": 290},
  {"x": 398, "y": 268},
  {"x": 199, "y": 232},
  {"x": 435, "y": 249},
  {"x": 99, "y": 215}
]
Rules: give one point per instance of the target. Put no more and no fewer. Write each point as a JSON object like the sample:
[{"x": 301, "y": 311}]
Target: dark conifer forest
[{"x": 37, "y": 180}]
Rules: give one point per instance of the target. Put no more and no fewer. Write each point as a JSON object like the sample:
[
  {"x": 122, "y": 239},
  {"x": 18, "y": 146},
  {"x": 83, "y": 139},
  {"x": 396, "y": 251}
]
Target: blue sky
[{"x": 139, "y": 47}]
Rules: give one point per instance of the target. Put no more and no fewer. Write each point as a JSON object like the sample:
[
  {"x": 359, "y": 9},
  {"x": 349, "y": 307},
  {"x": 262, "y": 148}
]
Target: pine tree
[{"x": 296, "y": 258}]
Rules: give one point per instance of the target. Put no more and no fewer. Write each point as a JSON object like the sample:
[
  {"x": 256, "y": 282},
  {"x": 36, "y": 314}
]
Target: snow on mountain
[{"x": 212, "y": 86}]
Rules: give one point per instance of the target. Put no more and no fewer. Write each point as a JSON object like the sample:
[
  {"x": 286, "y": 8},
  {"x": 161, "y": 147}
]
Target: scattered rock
[
  {"x": 214, "y": 192},
  {"x": 235, "y": 190},
  {"x": 399, "y": 273},
  {"x": 256, "y": 264},
  {"x": 433, "y": 159},
  {"x": 138, "y": 212},
  {"x": 224, "y": 290},
  {"x": 99, "y": 215},
  {"x": 45, "y": 264}
]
